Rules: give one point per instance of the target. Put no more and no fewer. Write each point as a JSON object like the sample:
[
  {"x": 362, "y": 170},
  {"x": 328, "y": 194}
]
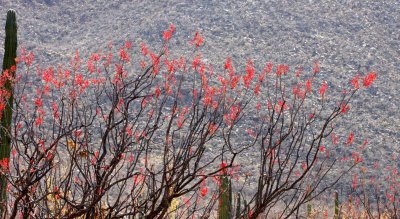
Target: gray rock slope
[{"x": 346, "y": 36}]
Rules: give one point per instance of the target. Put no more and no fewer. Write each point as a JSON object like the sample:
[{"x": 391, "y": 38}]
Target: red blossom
[
  {"x": 223, "y": 165},
  {"x": 308, "y": 85},
  {"x": 296, "y": 90},
  {"x": 323, "y": 88},
  {"x": 170, "y": 65},
  {"x": 38, "y": 102},
  {"x": 4, "y": 165},
  {"x": 196, "y": 62},
  {"x": 350, "y": 139},
  {"x": 91, "y": 67},
  {"x": 197, "y": 40},
  {"x": 48, "y": 75},
  {"x": 269, "y": 67},
  {"x": 282, "y": 69},
  {"x": 212, "y": 128},
  {"x": 298, "y": 72},
  {"x": 281, "y": 106},
  {"x": 369, "y": 79},
  {"x": 258, "y": 106},
  {"x": 203, "y": 191},
  {"x": 157, "y": 91},
  {"x": 344, "y": 108},
  {"x": 234, "y": 81},
  {"x": 316, "y": 67},
  {"x": 257, "y": 89},
  {"x": 354, "y": 182},
  {"x": 354, "y": 82},
  {"x": 356, "y": 157},
  {"x": 155, "y": 61},
  {"x": 304, "y": 166},
  {"x": 233, "y": 115},
  {"x": 167, "y": 35},
  {"x": 124, "y": 55},
  {"x": 55, "y": 110},
  {"x": 228, "y": 63},
  {"x": 39, "y": 121},
  {"x": 26, "y": 58},
  {"x": 142, "y": 64},
  {"x": 250, "y": 74},
  {"x": 144, "y": 49},
  {"x": 335, "y": 139},
  {"x": 128, "y": 45}
]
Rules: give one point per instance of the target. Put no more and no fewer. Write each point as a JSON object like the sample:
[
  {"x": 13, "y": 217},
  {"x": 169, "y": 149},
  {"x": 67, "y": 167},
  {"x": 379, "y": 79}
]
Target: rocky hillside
[{"x": 346, "y": 36}]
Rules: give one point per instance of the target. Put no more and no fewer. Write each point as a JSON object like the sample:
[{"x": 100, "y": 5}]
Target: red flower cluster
[
  {"x": 5, "y": 165},
  {"x": 168, "y": 33},
  {"x": 369, "y": 79},
  {"x": 197, "y": 40}
]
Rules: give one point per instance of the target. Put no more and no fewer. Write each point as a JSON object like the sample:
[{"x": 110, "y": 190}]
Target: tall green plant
[
  {"x": 10, "y": 54},
  {"x": 225, "y": 199},
  {"x": 336, "y": 205},
  {"x": 238, "y": 210}
]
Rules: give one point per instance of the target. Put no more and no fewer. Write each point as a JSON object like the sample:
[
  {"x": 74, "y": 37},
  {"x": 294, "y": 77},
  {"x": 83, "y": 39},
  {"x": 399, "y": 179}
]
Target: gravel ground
[{"x": 346, "y": 36}]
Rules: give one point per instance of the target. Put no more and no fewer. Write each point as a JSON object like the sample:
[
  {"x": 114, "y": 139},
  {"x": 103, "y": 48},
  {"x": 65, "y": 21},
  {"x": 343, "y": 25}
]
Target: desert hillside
[{"x": 345, "y": 37}]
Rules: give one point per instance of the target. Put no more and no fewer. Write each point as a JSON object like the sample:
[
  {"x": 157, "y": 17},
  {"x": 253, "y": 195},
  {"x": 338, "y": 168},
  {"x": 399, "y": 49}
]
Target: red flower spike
[
  {"x": 157, "y": 91},
  {"x": 197, "y": 40},
  {"x": 369, "y": 79},
  {"x": 316, "y": 68},
  {"x": 38, "y": 102},
  {"x": 13, "y": 68},
  {"x": 250, "y": 74},
  {"x": 350, "y": 139},
  {"x": 308, "y": 85},
  {"x": 196, "y": 62},
  {"x": 298, "y": 72},
  {"x": 39, "y": 121},
  {"x": 344, "y": 108},
  {"x": 142, "y": 64},
  {"x": 354, "y": 182},
  {"x": 203, "y": 191},
  {"x": 234, "y": 81},
  {"x": 228, "y": 63},
  {"x": 282, "y": 69},
  {"x": 257, "y": 89},
  {"x": 167, "y": 35},
  {"x": 128, "y": 45},
  {"x": 258, "y": 106},
  {"x": 335, "y": 139},
  {"x": 144, "y": 49},
  {"x": 269, "y": 67},
  {"x": 354, "y": 82},
  {"x": 124, "y": 55},
  {"x": 223, "y": 165},
  {"x": 90, "y": 66},
  {"x": 323, "y": 88},
  {"x": 28, "y": 59},
  {"x": 4, "y": 165}
]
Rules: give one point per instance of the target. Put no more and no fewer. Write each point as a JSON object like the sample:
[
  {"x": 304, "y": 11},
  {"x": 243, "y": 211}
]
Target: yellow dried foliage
[
  {"x": 172, "y": 208},
  {"x": 71, "y": 145}
]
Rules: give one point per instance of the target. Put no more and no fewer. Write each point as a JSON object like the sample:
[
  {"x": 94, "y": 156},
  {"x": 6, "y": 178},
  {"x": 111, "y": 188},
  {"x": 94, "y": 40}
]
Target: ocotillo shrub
[
  {"x": 143, "y": 135},
  {"x": 225, "y": 199}
]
